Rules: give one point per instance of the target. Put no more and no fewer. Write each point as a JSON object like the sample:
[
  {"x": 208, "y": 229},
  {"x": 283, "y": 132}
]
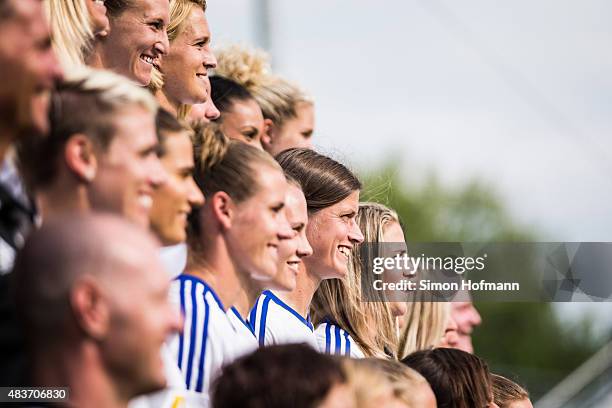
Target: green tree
[{"x": 524, "y": 341}]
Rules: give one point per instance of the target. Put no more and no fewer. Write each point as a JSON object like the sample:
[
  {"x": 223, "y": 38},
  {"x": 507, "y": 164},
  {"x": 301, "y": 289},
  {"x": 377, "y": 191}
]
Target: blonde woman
[
  {"x": 428, "y": 323},
  {"x": 181, "y": 79},
  {"x": 409, "y": 387},
  {"x": 76, "y": 24},
  {"x": 346, "y": 324},
  {"x": 287, "y": 110}
]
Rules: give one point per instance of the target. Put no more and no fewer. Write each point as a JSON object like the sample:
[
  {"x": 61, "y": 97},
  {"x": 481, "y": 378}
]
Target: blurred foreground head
[
  {"x": 293, "y": 375},
  {"x": 29, "y": 69},
  {"x": 101, "y": 153},
  {"x": 94, "y": 282}
]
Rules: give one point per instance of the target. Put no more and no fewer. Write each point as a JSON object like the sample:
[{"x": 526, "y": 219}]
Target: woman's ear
[
  {"x": 223, "y": 208},
  {"x": 269, "y": 134},
  {"x": 80, "y": 157}
]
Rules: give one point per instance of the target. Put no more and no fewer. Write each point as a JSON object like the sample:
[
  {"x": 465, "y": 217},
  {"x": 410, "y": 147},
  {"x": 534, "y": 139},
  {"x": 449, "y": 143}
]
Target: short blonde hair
[
  {"x": 71, "y": 28},
  {"x": 179, "y": 13},
  {"x": 403, "y": 379},
  {"x": 86, "y": 102},
  {"x": 368, "y": 382},
  {"x": 277, "y": 97},
  {"x": 113, "y": 89}
]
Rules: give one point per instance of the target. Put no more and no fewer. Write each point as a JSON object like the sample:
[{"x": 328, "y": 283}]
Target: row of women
[{"x": 269, "y": 286}]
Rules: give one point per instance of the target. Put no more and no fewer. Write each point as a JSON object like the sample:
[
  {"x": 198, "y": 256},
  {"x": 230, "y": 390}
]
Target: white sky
[{"x": 517, "y": 93}]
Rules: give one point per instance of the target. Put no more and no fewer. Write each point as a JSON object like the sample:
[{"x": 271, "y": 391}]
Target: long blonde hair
[
  {"x": 71, "y": 28},
  {"x": 277, "y": 97},
  {"x": 424, "y": 324},
  {"x": 342, "y": 300}
]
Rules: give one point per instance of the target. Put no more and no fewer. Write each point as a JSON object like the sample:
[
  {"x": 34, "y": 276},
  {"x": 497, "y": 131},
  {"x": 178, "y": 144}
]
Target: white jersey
[
  {"x": 334, "y": 340},
  {"x": 244, "y": 330},
  {"x": 275, "y": 322},
  {"x": 207, "y": 341}
]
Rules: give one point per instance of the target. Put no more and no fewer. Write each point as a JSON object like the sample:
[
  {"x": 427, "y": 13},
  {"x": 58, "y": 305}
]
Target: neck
[
  {"x": 81, "y": 369},
  {"x": 300, "y": 297},
  {"x": 247, "y": 297},
  {"x": 167, "y": 103},
  {"x": 62, "y": 198},
  {"x": 214, "y": 265}
]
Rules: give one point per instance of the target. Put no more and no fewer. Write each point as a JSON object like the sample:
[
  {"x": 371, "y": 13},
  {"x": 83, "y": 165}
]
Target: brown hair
[
  {"x": 344, "y": 301},
  {"x": 323, "y": 180},
  {"x": 458, "y": 379},
  {"x": 505, "y": 391},
  {"x": 224, "y": 165},
  {"x": 274, "y": 377}
]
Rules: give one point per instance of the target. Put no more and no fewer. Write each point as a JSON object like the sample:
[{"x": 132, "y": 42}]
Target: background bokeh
[{"x": 476, "y": 120}]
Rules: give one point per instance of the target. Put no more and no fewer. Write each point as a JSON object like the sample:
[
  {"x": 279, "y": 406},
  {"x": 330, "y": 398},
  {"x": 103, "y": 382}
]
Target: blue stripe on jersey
[
  {"x": 347, "y": 348},
  {"x": 327, "y": 338},
  {"x": 270, "y": 295},
  {"x": 337, "y": 338},
  {"x": 194, "y": 320},
  {"x": 253, "y": 315},
  {"x": 200, "y": 380},
  {"x": 239, "y": 316},
  {"x": 262, "y": 323},
  {"x": 180, "y": 352}
]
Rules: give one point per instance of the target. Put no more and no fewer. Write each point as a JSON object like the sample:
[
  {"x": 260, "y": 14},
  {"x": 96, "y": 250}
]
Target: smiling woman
[
  {"x": 137, "y": 39},
  {"x": 332, "y": 198},
  {"x": 182, "y": 78}
]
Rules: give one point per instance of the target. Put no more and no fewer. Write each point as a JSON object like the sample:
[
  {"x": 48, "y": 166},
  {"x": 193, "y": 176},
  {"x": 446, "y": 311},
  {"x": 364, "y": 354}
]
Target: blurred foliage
[{"x": 524, "y": 341}]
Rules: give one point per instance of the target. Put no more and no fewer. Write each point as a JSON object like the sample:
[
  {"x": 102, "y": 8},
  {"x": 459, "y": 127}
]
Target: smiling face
[
  {"x": 186, "y": 66},
  {"x": 97, "y": 14},
  {"x": 258, "y": 225},
  {"x": 129, "y": 170},
  {"x": 174, "y": 200},
  {"x": 292, "y": 250},
  {"x": 333, "y": 232},
  {"x": 137, "y": 40},
  {"x": 244, "y": 122},
  {"x": 29, "y": 67}
]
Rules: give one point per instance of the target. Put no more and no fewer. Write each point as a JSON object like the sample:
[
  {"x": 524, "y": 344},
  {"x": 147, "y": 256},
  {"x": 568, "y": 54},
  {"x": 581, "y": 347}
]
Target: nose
[
  {"x": 211, "y": 113},
  {"x": 162, "y": 46},
  {"x": 210, "y": 61},
  {"x": 195, "y": 197},
  {"x": 304, "y": 248},
  {"x": 476, "y": 319},
  {"x": 355, "y": 234},
  {"x": 452, "y": 324}
]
